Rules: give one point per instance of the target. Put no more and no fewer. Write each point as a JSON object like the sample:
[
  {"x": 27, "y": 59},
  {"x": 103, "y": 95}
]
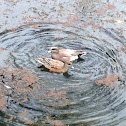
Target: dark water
[{"x": 94, "y": 93}]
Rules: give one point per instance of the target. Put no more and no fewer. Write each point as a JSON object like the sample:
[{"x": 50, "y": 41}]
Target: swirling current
[
  {"x": 80, "y": 98},
  {"x": 92, "y": 93}
]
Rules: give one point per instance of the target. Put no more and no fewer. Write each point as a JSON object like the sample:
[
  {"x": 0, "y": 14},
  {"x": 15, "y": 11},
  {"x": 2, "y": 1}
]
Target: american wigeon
[
  {"x": 55, "y": 65},
  {"x": 66, "y": 55}
]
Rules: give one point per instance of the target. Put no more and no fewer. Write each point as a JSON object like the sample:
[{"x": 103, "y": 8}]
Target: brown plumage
[
  {"x": 55, "y": 65},
  {"x": 66, "y": 55}
]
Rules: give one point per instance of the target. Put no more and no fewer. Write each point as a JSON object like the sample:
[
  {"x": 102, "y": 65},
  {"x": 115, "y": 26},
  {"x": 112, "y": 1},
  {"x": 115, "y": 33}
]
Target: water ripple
[{"x": 76, "y": 99}]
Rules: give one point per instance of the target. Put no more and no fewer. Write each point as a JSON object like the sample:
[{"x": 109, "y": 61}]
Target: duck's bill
[
  {"x": 84, "y": 53},
  {"x": 49, "y": 51},
  {"x": 72, "y": 67}
]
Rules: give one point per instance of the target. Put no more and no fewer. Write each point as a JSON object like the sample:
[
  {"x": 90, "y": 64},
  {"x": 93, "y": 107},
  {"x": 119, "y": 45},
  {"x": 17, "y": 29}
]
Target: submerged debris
[{"x": 111, "y": 80}]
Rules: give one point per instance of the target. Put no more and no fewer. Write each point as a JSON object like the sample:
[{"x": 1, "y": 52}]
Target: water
[{"x": 93, "y": 94}]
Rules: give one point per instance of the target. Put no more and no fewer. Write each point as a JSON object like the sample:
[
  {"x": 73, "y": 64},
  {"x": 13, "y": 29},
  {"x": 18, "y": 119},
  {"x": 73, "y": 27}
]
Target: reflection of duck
[
  {"x": 55, "y": 65},
  {"x": 66, "y": 55}
]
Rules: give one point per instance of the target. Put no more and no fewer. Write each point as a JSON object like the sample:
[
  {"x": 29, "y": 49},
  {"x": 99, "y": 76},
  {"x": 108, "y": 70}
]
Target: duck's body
[
  {"x": 54, "y": 65},
  {"x": 66, "y": 55}
]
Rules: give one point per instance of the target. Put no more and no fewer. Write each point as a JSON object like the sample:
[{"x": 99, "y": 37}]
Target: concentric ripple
[{"x": 75, "y": 99}]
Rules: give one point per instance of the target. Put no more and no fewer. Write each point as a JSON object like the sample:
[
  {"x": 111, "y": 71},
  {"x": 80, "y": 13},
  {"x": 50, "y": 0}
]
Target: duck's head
[
  {"x": 54, "y": 50},
  {"x": 68, "y": 64}
]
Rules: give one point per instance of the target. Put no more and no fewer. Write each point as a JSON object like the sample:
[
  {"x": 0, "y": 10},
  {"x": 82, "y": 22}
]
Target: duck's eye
[{"x": 53, "y": 49}]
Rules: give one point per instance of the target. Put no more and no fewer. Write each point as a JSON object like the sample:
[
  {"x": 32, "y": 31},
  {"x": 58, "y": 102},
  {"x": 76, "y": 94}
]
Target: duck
[
  {"x": 66, "y": 55},
  {"x": 55, "y": 66}
]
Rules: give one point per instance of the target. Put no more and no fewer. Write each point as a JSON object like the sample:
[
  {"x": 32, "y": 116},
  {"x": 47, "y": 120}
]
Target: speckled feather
[{"x": 54, "y": 65}]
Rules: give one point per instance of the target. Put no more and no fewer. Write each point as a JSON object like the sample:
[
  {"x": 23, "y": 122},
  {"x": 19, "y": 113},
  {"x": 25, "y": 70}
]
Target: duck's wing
[
  {"x": 51, "y": 63},
  {"x": 70, "y": 52},
  {"x": 66, "y": 52}
]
